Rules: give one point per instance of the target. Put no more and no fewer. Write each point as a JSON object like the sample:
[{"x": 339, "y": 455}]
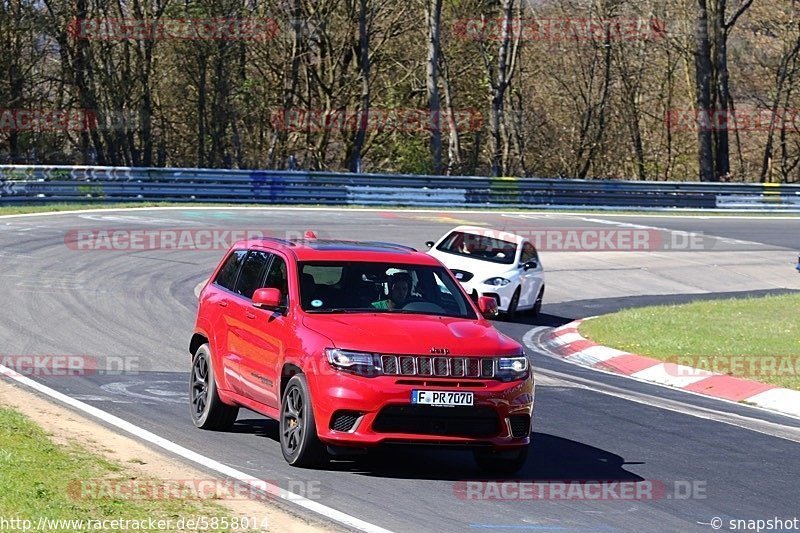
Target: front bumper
[
  {"x": 383, "y": 411},
  {"x": 502, "y": 294}
]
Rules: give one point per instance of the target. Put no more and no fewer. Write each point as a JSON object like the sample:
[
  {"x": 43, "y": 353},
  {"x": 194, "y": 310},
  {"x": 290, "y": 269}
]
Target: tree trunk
[
  {"x": 290, "y": 85},
  {"x": 601, "y": 113},
  {"x": 723, "y": 97},
  {"x": 781, "y": 78},
  {"x": 86, "y": 96},
  {"x": 202, "y": 94},
  {"x": 454, "y": 146},
  {"x": 434, "y": 104},
  {"x": 354, "y": 162},
  {"x": 705, "y": 148},
  {"x": 499, "y": 87}
]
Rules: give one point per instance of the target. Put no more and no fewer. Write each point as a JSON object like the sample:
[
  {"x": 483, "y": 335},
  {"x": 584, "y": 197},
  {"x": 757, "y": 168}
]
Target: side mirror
[
  {"x": 429, "y": 244},
  {"x": 487, "y": 306},
  {"x": 530, "y": 264},
  {"x": 267, "y": 299}
]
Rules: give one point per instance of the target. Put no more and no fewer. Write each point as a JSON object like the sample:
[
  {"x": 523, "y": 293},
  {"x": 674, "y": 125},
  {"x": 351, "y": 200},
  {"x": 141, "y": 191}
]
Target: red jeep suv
[{"x": 350, "y": 345}]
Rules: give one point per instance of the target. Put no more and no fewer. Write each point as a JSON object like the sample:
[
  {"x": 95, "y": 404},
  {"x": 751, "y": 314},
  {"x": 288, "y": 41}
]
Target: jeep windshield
[
  {"x": 483, "y": 247},
  {"x": 366, "y": 287}
]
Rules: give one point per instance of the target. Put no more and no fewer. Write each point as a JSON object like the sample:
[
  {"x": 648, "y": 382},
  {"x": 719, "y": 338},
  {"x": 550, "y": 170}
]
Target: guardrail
[{"x": 28, "y": 184}]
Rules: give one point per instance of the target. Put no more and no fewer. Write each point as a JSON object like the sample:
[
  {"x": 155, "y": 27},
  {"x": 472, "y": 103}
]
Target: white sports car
[{"x": 494, "y": 263}]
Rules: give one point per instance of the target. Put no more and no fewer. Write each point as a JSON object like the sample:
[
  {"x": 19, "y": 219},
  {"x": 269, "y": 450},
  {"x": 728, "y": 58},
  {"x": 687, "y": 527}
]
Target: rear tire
[
  {"x": 501, "y": 462},
  {"x": 207, "y": 409},
  {"x": 300, "y": 444}
]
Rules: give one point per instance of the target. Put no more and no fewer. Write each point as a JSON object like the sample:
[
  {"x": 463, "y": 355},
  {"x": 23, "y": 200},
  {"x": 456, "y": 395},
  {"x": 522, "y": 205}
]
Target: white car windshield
[
  {"x": 481, "y": 247},
  {"x": 353, "y": 287}
]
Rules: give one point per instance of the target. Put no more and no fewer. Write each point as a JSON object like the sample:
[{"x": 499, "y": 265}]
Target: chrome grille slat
[
  {"x": 389, "y": 363},
  {"x": 487, "y": 368},
  {"x": 473, "y": 368},
  {"x": 440, "y": 367},
  {"x": 424, "y": 366},
  {"x": 457, "y": 367},
  {"x": 408, "y": 365}
]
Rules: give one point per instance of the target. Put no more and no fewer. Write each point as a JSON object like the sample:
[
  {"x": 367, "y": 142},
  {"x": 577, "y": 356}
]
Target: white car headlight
[{"x": 497, "y": 282}]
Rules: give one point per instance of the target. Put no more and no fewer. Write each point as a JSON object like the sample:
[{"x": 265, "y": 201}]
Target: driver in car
[{"x": 399, "y": 292}]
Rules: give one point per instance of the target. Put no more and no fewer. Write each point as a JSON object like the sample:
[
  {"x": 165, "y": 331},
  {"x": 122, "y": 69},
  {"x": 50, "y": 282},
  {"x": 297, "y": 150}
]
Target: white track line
[{"x": 152, "y": 438}]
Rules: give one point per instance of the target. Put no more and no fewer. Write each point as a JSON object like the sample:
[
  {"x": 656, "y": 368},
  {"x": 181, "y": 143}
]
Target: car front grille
[
  {"x": 474, "y": 421},
  {"x": 440, "y": 367}
]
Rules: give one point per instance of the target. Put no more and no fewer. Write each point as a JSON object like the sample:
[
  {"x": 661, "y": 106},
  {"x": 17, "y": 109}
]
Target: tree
[
  {"x": 499, "y": 78},
  {"x": 434, "y": 103}
]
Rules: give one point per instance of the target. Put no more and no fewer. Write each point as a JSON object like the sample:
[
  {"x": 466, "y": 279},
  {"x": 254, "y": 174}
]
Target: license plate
[{"x": 441, "y": 398}]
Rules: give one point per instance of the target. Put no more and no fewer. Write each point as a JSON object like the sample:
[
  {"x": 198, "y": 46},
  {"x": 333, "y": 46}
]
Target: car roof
[
  {"x": 341, "y": 250},
  {"x": 489, "y": 232}
]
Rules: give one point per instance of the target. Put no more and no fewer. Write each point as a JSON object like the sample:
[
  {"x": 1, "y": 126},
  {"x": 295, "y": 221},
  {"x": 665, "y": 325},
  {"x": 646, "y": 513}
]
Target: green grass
[
  {"x": 41, "y": 479},
  {"x": 755, "y": 338},
  {"x": 22, "y": 209}
]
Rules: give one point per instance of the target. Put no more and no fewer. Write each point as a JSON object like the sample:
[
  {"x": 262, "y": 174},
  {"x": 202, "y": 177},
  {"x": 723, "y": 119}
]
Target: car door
[
  {"x": 264, "y": 336},
  {"x": 240, "y": 308},
  {"x": 531, "y": 279},
  {"x": 218, "y": 299}
]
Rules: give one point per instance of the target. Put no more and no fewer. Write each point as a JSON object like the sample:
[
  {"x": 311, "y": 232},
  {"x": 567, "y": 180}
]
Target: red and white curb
[{"x": 567, "y": 343}]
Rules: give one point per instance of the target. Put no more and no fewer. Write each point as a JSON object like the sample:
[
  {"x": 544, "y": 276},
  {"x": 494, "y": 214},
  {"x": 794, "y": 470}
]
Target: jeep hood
[{"x": 410, "y": 334}]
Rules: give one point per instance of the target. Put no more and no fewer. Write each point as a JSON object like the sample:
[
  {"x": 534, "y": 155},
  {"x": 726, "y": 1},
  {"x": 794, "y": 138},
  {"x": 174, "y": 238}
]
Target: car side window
[
  {"x": 252, "y": 273},
  {"x": 528, "y": 253},
  {"x": 227, "y": 274},
  {"x": 278, "y": 278}
]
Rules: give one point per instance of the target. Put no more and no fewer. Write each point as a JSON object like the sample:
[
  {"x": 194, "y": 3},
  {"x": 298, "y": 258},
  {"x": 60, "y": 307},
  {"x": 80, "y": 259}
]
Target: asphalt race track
[{"x": 139, "y": 306}]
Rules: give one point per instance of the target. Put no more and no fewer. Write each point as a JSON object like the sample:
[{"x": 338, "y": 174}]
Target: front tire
[
  {"x": 298, "y": 430},
  {"x": 511, "y": 313},
  {"x": 208, "y": 411},
  {"x": 501, "y": 462},
  {"x": 537, "y": 307}
]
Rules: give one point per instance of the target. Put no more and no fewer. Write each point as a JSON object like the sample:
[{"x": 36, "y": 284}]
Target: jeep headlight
[
  {"x": 512, "y": 368},
  {"x": 361, "y": 363}
]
